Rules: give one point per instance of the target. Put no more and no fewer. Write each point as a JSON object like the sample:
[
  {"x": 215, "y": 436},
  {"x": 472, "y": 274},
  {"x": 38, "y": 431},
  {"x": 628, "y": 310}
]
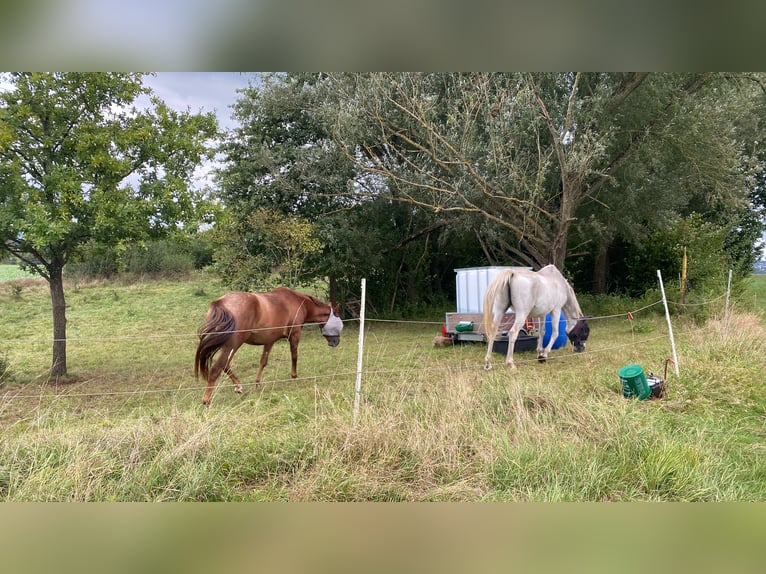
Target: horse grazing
[
  {"x": 532, "y": 294},
  {"x": 258, "y": 319}
]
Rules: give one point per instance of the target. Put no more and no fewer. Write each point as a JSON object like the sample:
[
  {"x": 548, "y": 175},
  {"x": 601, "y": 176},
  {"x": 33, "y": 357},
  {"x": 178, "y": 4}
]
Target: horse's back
[
  {"x": 552, "y": 273},
  {"x": 269, "y": 316},
  {"x": 282, "y": 301},
  {"x": 280, "y": 298},
  {"x": 536, "y": 293},
  {"x": 238, "y": 303}
]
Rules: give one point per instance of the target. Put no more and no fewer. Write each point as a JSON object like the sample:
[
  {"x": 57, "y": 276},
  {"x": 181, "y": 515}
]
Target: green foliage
[
  {"x": 199, "y": 248},
  {"x": 408, "y": 176},
  {"x": 703, "y": 241},
  {"x": 264, "y": 249},
  {"x": 94, "y": 261},
  {"x": 161, "y": 257},
  {"x": 285, "y": 159},
  {"x": 65, "y": 174},
  {"x": 172, "y": 256},
  {"x": 5, "y": 368},
  {"x": 80, "y": 165},
  {"x": 633, "y": 266}
]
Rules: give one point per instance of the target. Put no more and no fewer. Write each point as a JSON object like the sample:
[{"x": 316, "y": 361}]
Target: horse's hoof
[
  {"x": 238, "y": 389},
  {"x": 541, "y": 358},
  {"x": 487, "y": 367}
]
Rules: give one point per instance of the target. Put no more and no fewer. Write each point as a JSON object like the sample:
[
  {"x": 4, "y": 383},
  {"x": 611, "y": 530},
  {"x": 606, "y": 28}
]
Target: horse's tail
[
  {"x": 219, "y": 325},
  {"x": 499, "y": 282}
]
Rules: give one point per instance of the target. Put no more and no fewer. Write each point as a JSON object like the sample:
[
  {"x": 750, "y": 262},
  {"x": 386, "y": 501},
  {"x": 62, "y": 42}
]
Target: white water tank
[{"x": 471, "y": 283}]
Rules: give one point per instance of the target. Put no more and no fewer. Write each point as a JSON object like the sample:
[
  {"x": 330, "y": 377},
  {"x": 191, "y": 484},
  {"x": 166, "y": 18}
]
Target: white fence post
[
  {"x": 670, "y": 326},
  {"x": 360, "y": 352},
  {"x": 728, "y": 292}
]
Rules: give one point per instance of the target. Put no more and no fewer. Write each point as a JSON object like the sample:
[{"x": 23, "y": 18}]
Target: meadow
[{"x": 127, "y": 425}]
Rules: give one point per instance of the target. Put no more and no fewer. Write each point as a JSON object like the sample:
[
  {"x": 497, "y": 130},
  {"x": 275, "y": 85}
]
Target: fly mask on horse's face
[
  {"x": 579, "y": 334},
  {"x": 332, "y": 329}
]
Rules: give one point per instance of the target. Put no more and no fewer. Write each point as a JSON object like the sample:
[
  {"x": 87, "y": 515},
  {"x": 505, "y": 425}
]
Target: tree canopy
[
  {"x": 410, "y": 175},
  {"x": 80, "y": 163}
]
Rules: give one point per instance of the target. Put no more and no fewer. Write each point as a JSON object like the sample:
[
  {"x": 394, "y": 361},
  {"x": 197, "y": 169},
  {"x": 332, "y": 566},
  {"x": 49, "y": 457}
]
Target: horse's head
[
  {"x": 332, "y": 329},
  {"x": 579, "y": 334}
]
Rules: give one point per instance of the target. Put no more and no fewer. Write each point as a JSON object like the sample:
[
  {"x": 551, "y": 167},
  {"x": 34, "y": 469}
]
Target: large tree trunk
[
  {"x": 600, "y": 268},
  {"x": 558, "y": 251},
  {"x": 56, "y": 283}
]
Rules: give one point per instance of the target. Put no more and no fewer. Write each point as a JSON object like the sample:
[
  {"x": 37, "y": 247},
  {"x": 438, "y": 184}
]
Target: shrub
[
  {"x": 5, "y": 369},
  {"x": 200, "y": 249},
  {"x": 94, "y": 261},
  {"x": 164, "y": 257}
]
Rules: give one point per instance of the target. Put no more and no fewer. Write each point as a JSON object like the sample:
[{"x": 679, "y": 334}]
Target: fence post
[
  {"x": 728, "y": 292},
  {"x": 670, "y": 326},
  {"x": 360, "y": 352}
]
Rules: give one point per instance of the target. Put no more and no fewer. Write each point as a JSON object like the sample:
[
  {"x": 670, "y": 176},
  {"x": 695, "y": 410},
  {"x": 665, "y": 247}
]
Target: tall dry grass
[{"x": 433, "y": 424}]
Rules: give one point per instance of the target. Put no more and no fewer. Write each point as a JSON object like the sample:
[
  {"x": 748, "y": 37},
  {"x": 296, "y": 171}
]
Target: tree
[
  {"x": 495, "y": 151},
  {"x": 281, "y": 160},
  {"x": 79, "y": 163},
  {"x": 284, "y": 158},
  {"x": 263, "y": 249},
  {"x": 685, "y": 157},
  {"x": 407, "y": 176},
  {"x": 528, "y": 158}
]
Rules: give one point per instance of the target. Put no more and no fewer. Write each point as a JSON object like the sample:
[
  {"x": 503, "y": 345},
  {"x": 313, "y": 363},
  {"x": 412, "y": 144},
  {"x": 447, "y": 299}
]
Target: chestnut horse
[
  {"x": 258, "y": 319},
  {"x": 532, "y": 294}
]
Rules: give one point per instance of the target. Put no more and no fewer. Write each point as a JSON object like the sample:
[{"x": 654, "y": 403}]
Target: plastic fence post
[
  {"x": 360, "y": 353},
  {"x": 670, "y": 326}
]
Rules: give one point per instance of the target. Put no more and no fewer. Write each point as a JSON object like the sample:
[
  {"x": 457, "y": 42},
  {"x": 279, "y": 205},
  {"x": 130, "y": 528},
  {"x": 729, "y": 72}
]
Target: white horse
[{"x": 532, "y": 294}]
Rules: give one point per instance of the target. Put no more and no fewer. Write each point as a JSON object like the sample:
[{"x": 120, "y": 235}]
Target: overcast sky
[{"x": 201, "y": 91}]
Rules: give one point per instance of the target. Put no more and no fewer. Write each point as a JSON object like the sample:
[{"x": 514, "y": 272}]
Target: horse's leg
[
  {"x": 264, "y": 360},
  {"x": 234, "y": 378},
  {"x": 487, "y": 364},
  {"x": 221, "y": 364},
  {"x": 294, "y": 340},
  {"x": 542, "y": 354},
  {"x": 513, "y": 334},
  {"x": 497, "y": 317}
]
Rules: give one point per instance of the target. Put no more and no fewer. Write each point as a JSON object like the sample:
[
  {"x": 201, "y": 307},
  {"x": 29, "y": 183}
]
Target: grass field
[
  {"x": 433, "y": 425},
  {"x": 13, "y": 272}
]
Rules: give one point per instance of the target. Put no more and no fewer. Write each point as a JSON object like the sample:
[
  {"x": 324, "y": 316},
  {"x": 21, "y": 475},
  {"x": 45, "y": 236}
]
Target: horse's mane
[
  {"x": 314, "y": 300},
  {"x": 572, "y": 303}
]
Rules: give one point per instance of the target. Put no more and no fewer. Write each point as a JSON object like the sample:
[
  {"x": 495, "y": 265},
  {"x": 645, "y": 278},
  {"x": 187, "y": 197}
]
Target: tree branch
[
  {"x": 425, "y": 231},
  {"x": 627, "y": 88}
]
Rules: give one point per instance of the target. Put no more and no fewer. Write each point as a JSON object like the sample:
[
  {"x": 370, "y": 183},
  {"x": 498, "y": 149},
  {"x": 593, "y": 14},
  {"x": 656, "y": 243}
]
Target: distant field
[
  {"x": 756, "y": 288},
  {"x": 12, "y": 272}
]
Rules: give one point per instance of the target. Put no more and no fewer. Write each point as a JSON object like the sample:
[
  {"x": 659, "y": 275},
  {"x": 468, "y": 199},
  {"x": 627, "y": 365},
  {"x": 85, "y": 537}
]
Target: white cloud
[{"x": 201, "y": 91}]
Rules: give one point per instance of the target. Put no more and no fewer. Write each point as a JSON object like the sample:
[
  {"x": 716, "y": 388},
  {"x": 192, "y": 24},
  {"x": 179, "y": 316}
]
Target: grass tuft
[{"x": 433, "y": 425}]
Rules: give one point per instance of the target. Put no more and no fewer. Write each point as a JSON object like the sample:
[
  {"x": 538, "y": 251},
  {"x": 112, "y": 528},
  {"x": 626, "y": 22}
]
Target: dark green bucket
[
  {"x": 633, "y": 381},
  {"x": 464, "y": 326}
]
